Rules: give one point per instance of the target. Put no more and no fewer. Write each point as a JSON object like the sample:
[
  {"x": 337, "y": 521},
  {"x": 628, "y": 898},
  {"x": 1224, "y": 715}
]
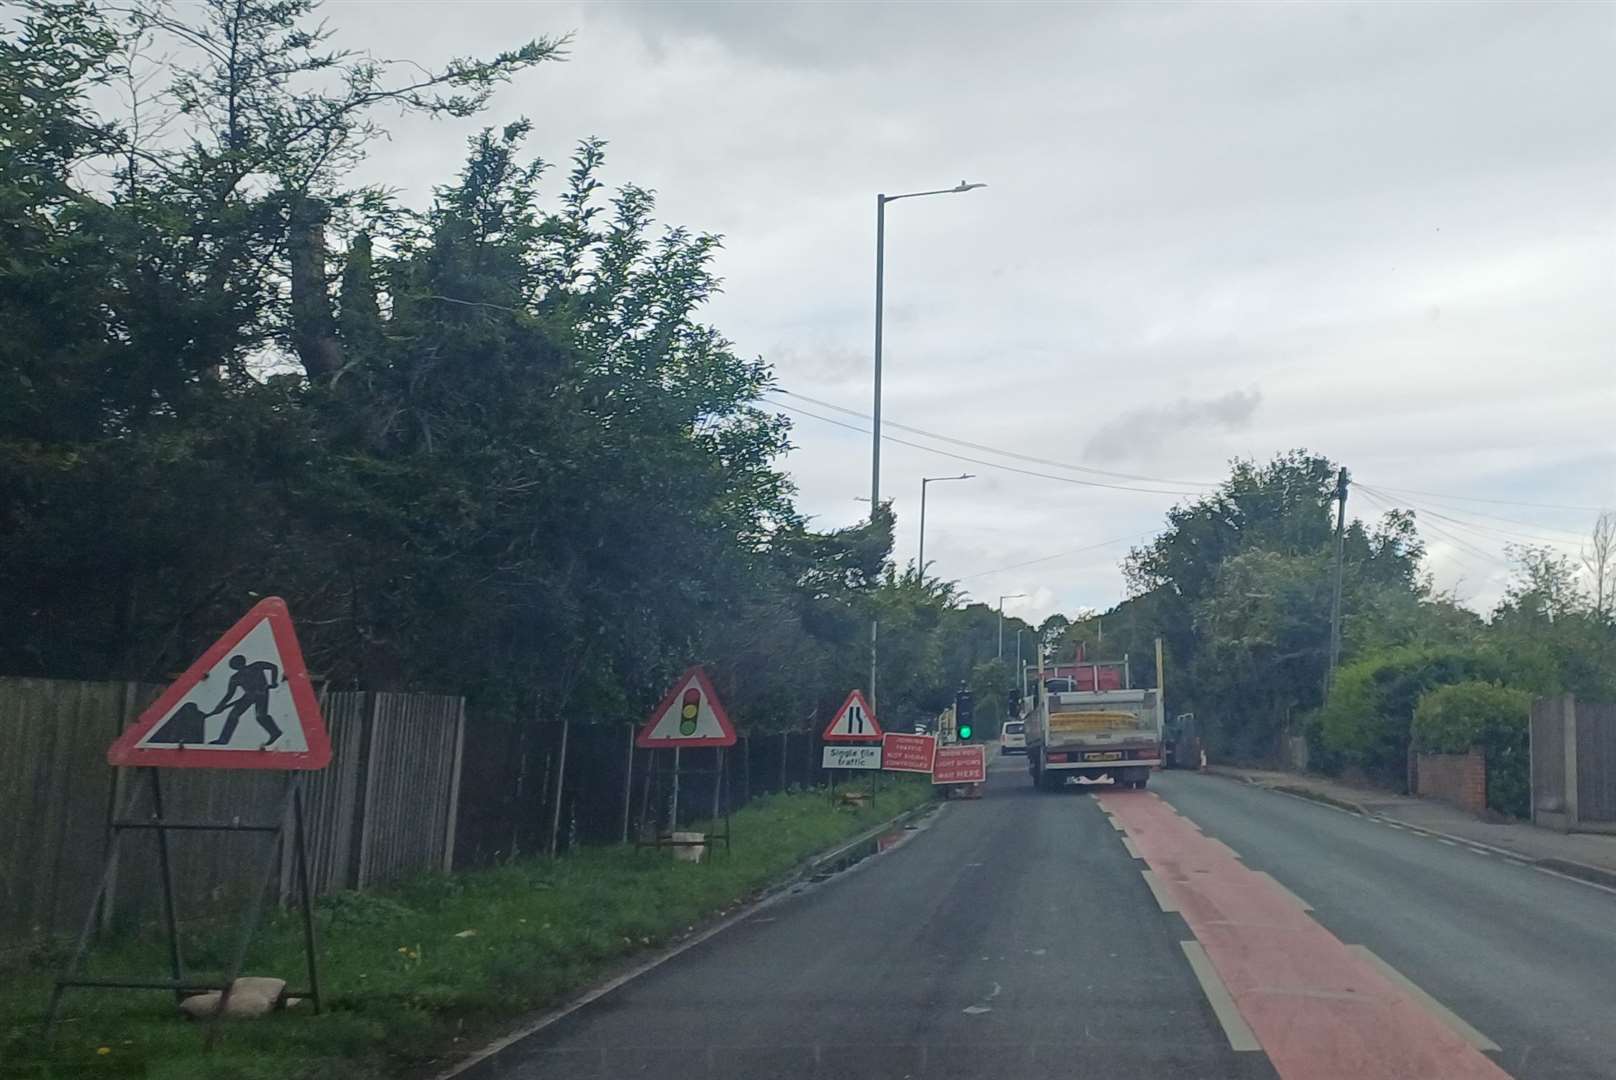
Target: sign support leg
[
  {"x": 254, "y": 911},
  {"x": 166, "y": 867},
  {"x": 305, "y": 894},
  {"x": 673, "y": 814}
]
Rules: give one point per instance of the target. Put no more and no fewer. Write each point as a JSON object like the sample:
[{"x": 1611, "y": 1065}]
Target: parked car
[{"x": 1013, "y": 737}]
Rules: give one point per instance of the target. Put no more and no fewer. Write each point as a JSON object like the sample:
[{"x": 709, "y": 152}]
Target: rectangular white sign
[{"x": 852, "y": 757}]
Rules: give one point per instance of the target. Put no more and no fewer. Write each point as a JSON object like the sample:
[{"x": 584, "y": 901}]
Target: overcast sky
[{"x": 1384, "y": 233}]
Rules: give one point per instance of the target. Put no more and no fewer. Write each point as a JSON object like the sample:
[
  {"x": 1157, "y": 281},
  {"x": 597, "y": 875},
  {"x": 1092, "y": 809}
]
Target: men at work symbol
[
  {"x": 253, "y": 682},
  {"x": 688, "y": 710}
]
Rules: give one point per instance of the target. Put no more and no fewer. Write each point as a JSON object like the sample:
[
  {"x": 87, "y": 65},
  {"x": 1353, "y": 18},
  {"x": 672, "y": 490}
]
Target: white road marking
[
  {"x": 1164, "y": 900},
  {"x": 1445, "y": 840},
  {"x": 1479, "y": 851},
  {"x": 1297, "y": 900},
  {"x": 1115, "y": 824},
  {"x": 1390, "y": 824},
  {"x": 1133, "y": 852},
  {"x": 1225, "y": 848},
  {"x": 1235, "y": 1028},
  {"x": 1446, "y": 1015}
]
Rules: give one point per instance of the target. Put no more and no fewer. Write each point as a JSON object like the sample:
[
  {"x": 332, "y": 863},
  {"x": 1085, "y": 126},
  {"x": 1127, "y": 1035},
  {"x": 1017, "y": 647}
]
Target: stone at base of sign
[
  {"x": 251, "y": 997},
  {"x": 689, "y": 846}
]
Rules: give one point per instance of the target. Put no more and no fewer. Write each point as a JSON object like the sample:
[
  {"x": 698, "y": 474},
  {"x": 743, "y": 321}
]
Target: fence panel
[
  {"x": 55, "y": 788},
  {"x": 414, "y": 747},
  {"x": 1596, "y": 761},
  {"x": 1548, "y": 756},
  {"x": 56, "y": 792}
]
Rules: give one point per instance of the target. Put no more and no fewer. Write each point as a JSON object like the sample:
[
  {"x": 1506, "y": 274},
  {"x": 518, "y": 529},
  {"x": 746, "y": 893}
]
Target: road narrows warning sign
[
  {"x": 691, "y": 715},
  {"x": 245, "y": 704},
  {"x": 853, "y": 722}
]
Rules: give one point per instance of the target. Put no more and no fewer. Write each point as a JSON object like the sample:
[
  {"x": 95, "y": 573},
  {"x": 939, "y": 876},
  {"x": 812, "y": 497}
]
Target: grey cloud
[{"x": 1124, "y": 436}]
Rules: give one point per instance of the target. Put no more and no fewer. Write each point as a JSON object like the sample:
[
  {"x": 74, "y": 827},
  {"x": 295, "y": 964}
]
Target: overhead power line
[
  {"x": 1496, "y": 502},
  {"x": 982, "y": 461},
  {"x": 992, "y": 449},
  {"x": 1425, "y": 525},
  {"x": 1390, "y": 493},
  {"x": 1488, "y": 531}
]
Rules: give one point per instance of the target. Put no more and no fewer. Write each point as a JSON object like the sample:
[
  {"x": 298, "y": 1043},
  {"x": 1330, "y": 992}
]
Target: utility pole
[{"x": 1335, "y": 595}]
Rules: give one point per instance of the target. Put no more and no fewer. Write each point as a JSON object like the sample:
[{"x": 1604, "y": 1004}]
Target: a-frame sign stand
[
  {"x": 271, "y": 681},
  {"x": 291, "y": 807},
  {"x": 689, "y": 716}
]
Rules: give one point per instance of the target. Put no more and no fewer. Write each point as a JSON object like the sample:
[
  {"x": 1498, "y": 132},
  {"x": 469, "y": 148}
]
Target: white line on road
[
  {"x": 1446, "y": 1015},
  {"x": 1479, "y": 851},
  {"x": 1115, "y": 824},
  {"x": 1303, "y": 904},
  {"x": 1164, "y": 900},
  {"x": 1133, "y": 852},
  {"x": 1235, "y": 1028},
  {"x": 1445, "y": 840}
]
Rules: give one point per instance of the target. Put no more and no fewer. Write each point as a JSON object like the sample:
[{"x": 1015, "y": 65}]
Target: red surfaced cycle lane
[{"x": 1318, "y": 1010}]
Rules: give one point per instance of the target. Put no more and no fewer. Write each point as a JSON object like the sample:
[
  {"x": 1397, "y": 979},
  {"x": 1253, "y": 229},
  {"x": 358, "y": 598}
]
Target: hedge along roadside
[{"x": 1454, "y": 718}]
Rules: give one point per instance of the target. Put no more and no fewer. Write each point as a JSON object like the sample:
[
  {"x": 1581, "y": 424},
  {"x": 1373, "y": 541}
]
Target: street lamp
[
  {"x": 924, "y": 480},
  {"x": 875, "y": 415},
  {"x": 1002, "y": 599}
]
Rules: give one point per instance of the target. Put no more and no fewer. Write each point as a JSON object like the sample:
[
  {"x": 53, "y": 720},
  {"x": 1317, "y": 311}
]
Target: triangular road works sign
[
  {"x": 853, "y": 722},
  {"x": 246, "y": 704},
  {"x": 691, "y": 715}
]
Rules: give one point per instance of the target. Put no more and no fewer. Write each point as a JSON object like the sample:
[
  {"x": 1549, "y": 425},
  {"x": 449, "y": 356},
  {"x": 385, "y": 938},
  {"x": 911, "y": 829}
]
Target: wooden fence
[
  {"x": 1574, "y": 764},
  {"x": 383, "y": 809}
]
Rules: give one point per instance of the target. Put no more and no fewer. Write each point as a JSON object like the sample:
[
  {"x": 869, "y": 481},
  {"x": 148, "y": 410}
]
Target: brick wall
[{"x": 1460, "y": 779}]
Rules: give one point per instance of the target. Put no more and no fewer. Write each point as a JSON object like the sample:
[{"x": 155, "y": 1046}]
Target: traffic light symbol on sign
[{"x": 688, "y": 711}]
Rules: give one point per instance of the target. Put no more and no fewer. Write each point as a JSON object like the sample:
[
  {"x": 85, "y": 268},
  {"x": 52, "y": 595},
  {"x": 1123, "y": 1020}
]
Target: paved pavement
[
  {"x": 1016, "y": 936},
  {"x": 1587, "y": 855}
]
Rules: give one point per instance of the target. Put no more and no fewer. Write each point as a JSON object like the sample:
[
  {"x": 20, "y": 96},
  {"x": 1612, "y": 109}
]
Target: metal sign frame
[
  {"x": 651, "y": 795},
  {"x": 292, "y": 810}
]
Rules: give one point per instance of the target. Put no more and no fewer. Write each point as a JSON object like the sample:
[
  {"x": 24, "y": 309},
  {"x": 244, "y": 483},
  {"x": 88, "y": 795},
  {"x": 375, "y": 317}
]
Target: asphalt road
[
  {"x": 1527, "y": 959},
  {"x": 1015, "y": 936}
]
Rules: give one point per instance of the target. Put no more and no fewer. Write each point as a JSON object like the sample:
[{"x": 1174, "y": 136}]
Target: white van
[{"x": 1013, "y": 737}]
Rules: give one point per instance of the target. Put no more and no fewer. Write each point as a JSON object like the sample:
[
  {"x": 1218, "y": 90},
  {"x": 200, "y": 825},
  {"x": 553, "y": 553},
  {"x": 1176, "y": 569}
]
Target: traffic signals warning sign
[
  {"x": 853, "y": 722},
  {"x": 691, "y": 715},
  {"x": 246, "y": 704}
]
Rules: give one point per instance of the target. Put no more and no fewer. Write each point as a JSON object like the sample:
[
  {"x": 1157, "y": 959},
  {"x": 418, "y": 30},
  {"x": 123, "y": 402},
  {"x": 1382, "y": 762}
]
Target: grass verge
[{"x": 415, "y": 974}]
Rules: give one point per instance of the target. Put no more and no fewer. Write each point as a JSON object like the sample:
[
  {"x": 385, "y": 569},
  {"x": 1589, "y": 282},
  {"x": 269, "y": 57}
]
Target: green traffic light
[{"x": 965, "y": 731}]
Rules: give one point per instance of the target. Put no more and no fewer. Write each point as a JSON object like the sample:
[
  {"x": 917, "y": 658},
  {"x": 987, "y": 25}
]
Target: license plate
[{"x": 1111, "y": 755}]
